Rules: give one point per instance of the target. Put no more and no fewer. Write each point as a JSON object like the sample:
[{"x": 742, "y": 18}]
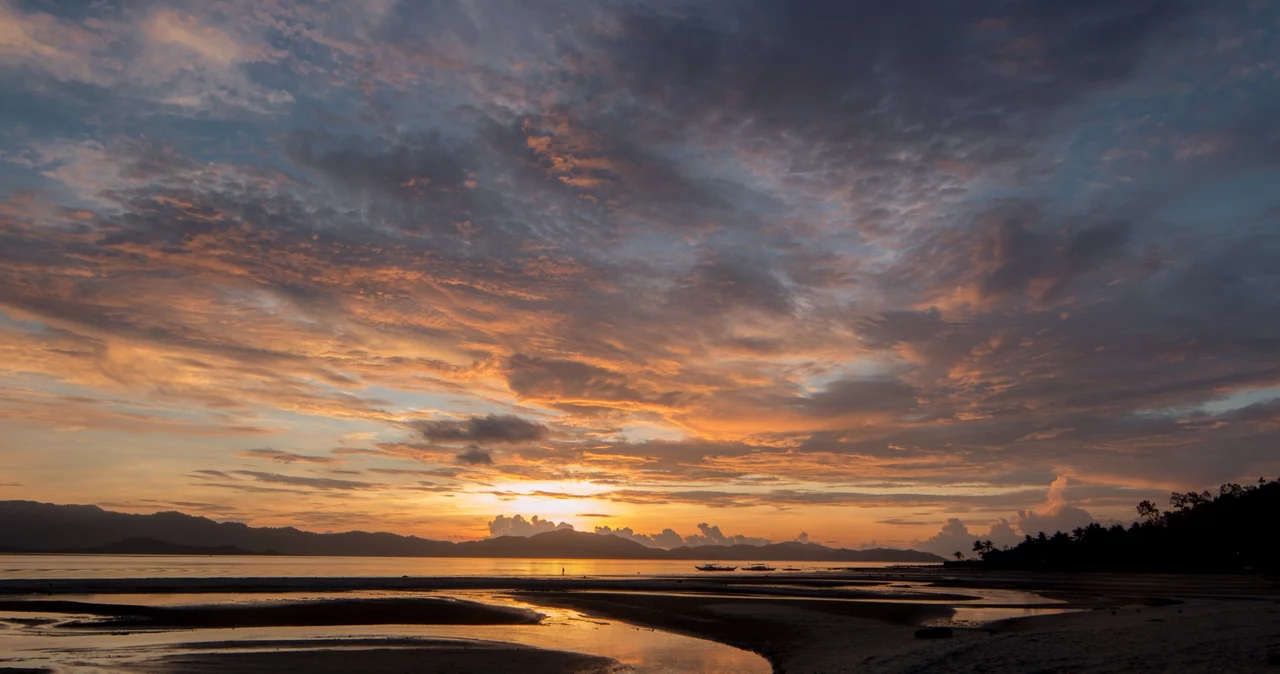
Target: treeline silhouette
[{"x": 1236, "y": 530}]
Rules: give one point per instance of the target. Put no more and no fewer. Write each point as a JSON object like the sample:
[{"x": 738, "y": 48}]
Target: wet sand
[
  {"x": 401, "y": 656},
  {"x": 1201, "y": 636},
  {"x": 389, "y": 611},
  {"x": 794, "y": 635},
  {"x": 1123, "y": 623},
  {"x": 862, "y": 621},
  {"x": 1209, "y": 635}
]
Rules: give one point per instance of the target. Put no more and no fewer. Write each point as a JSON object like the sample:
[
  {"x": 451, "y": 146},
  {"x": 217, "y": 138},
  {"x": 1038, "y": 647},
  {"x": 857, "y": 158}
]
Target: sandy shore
[
  {"x": 1124, "y": 623},
  {"x": 1202, "y": 636},
  {"x": 398, "y": 656},
  {"x": 1135, "y": 623},
  {"x": 793, "y": 635},
  {"x": 830, "y": 637}
]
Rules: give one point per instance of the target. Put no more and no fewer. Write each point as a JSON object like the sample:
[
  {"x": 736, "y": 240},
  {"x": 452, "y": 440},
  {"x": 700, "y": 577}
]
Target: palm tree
[
  {"x": 983, "y": 547},
  {"x": 959, "y": 556}
]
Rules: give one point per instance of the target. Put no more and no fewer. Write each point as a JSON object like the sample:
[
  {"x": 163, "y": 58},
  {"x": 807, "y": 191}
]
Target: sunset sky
[{"x": 881, "y": 272}]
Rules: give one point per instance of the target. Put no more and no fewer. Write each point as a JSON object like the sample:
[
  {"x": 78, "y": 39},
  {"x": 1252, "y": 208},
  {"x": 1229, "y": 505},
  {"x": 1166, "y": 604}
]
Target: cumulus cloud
[
  {"x": 1055, "y": 515},
  {"x": 711, "y": 535},
  {"x": 955, "y": 536},
  {"x": 668, "y": 538},
  {"x": 519, "y": 526},
  {"x": 1002, "y": 534}
]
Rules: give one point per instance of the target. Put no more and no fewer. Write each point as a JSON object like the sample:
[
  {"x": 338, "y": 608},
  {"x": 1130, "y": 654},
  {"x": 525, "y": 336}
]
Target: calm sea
[{"x": 190, "y": 566}]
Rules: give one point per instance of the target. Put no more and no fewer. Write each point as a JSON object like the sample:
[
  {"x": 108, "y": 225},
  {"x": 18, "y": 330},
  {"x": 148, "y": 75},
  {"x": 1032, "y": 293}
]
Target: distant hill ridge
[
  {"x": 144, "y": 546},
  {"x": 29, "y": 526}
]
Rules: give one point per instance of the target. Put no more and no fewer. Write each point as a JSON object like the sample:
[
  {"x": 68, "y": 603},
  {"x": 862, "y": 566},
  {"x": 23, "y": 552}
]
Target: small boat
[
  {"x": 758, "y": 567},
  {"x": 715, "y": 567},
  {"x": 791, "y": 568}
]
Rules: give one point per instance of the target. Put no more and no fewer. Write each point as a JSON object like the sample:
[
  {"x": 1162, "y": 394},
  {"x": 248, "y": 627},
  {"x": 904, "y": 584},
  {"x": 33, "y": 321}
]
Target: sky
[{"x": 856, "y": 272}]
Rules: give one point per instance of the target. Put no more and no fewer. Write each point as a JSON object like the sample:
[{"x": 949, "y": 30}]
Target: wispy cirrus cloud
[{"x": 281, "y": 456}]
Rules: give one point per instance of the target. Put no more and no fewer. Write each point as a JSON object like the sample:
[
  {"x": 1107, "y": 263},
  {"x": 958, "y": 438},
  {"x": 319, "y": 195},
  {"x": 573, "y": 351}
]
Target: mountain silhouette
[
  {"x": 29, "y": 526},
  {"x": 145, "y": 546}
]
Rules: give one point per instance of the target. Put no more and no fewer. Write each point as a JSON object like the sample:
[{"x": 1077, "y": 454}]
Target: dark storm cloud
[
  {"x": 406, "y": 167},
  {"x": 1010, "y": 255},
  {"x": 724, "y": 282},
  {"x": 474, "y": 456},
  {"x": 894, "y": 327},
  {"x": 406, "y": 23},
  {"x": 862, "y": 75},
  {"x": 553, "y": 378},
  {"x": 859, "y": 395},
  {"x": 491, "y": 428}
]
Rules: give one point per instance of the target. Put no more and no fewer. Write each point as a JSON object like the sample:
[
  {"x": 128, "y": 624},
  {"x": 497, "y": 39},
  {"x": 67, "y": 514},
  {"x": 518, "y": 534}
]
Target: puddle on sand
[
  {"x": 646, "y": 651},
  {"x": 973, "y": 616},
  {"x": 987, "y": 605}
]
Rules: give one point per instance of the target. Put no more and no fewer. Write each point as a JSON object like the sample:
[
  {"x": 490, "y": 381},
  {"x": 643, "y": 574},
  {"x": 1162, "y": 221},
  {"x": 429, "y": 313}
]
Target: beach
[
  {"x": 403, "y": 657},
  {"x": 1126, "y": 631},
  {"x": 837, "y": 621}
]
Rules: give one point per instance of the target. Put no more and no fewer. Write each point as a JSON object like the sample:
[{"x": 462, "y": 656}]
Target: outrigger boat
[
  {"x": 715, "y": 567},
  {"x": 758, "y": 567}
]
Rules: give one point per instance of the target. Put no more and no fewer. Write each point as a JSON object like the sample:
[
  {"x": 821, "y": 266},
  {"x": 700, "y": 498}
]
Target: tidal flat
[{"x": 833, "y": 621}]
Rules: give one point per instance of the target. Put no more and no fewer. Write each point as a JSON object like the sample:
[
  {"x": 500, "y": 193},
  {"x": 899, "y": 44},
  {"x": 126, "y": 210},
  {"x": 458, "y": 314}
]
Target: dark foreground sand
[
  {"x": 1199, "y": 637},
  {"x": 794, "y": 635},
  {"x": 380, "y": 656},
  {"x": 294, "y": 613},
  {"x": 402, "y": 656},
  {"x": 1141, "y": 627},
  {"x": 1125, "y": 623}
]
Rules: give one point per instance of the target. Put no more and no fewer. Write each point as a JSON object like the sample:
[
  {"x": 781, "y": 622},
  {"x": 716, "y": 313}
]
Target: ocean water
[{"x": 251, "y": 566}]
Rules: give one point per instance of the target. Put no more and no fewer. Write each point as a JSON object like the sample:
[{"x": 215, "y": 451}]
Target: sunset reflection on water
[{"x": 646, "y": 651}]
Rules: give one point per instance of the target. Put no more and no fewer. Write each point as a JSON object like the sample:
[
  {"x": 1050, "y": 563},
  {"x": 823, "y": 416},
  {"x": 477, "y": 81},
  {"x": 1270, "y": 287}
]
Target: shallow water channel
[{"x": 25, "y": 643}]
